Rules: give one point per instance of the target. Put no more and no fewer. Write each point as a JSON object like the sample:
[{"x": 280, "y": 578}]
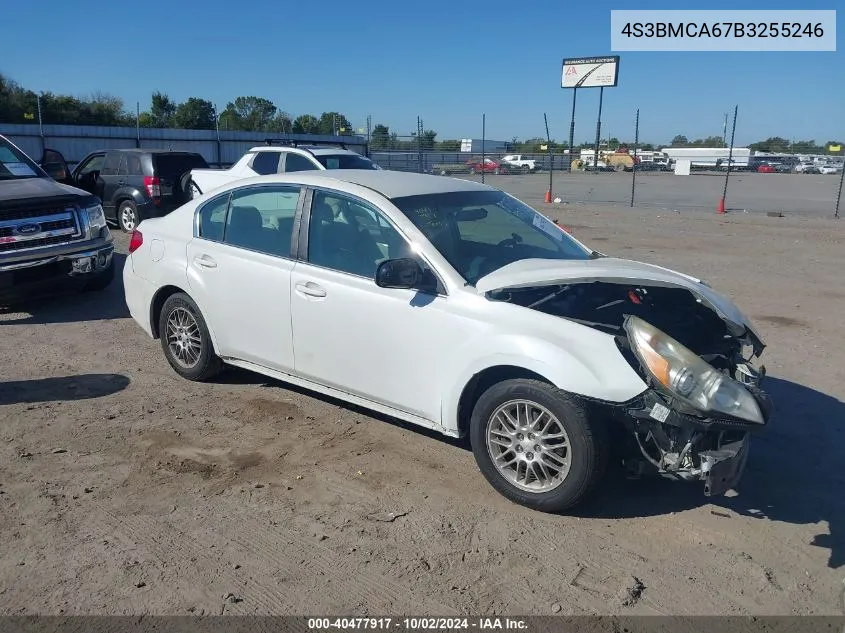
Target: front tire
[
  {"x": 185, "y": 339},
  {"x": 537, "y": 445}
]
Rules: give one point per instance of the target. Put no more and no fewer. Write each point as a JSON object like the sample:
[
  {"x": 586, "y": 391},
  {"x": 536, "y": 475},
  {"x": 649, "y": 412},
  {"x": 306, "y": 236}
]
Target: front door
[
  {"x": 239, "y": 270},
  {"x": 87, "y": 173},
  {"x": 386, "y": 345}
]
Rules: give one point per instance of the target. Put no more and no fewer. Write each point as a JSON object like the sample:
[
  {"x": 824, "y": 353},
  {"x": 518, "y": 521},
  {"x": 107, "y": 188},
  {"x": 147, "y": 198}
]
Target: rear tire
[
  {"x": 127, "y": 216},
  {"x": 185, "y": 339},
  {"x": 586, "y": 445}
]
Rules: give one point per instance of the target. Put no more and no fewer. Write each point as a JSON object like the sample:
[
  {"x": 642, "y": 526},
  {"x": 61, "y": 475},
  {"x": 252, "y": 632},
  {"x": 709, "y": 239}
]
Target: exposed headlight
[
  {"x": 96, "y": 217},
  {"x": 687, "y": 377}
]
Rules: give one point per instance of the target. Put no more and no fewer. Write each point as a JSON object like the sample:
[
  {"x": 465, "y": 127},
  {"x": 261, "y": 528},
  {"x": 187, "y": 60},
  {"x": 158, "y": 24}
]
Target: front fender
[{"x": 597, "y": 370}]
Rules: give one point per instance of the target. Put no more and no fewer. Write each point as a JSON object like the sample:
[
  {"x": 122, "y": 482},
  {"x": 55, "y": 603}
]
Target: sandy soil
[{"x": 125, "y": 489}]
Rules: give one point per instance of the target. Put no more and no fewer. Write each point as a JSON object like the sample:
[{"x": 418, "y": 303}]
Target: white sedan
[{"x": 455, "y": 306}]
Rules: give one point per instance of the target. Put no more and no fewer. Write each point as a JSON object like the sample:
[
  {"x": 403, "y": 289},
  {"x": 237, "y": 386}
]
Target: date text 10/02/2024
[{"x": 416, "y": 624}]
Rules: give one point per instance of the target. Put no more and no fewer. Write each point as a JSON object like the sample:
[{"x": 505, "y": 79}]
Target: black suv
[
  {"x": 51, "y": 234},
  {"x": 136, "y": 184}
]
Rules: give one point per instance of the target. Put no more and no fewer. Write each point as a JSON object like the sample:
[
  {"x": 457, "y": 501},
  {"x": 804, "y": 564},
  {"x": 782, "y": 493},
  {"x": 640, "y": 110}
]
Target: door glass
[
  {"x": 133, "y": 165},
  {"x": 212, "y": 218},
  {"x": 110, "y": 165},
  {"x": 261, "y": 219},
  {"x": 266, "y": 163},
  {"x": 94, "y": 164},
  {"x": 350, "y": 236},
  {"x": 296, "y": 162}
]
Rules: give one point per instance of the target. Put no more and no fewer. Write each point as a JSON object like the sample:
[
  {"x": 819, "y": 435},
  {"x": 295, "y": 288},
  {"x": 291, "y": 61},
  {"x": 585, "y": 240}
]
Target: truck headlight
[
  {"x": 690, "y": 379},
  {"x": 96, "y": 217}
]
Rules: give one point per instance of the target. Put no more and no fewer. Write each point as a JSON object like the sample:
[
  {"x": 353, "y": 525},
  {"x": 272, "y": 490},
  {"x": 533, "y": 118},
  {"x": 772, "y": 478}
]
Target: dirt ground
[{"x": 127, "y": 490}]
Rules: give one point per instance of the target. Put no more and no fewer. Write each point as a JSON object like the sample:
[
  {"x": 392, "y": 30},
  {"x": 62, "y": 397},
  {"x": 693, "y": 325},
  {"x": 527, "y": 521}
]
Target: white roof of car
[
  {"x": 317, "y": 151},
  {"x": 397, "y": 184}
]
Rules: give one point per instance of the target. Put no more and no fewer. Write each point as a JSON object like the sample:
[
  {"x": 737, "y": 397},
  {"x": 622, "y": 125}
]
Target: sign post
[{"x": 588, "y": 72}]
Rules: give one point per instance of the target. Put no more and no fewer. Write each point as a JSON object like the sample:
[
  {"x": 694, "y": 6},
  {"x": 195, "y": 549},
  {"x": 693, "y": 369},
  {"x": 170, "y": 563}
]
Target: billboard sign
[{"x": 590, "y": 72}]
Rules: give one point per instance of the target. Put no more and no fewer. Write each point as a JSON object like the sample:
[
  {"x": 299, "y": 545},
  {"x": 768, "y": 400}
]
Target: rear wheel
[
  {"x": 185, "y": 339},
  {"x": 526, "y": 169},
  {"x": 193, "y": 191},
  {"x": 537, "y": 445},
  {"x": 127, "y": 216}
]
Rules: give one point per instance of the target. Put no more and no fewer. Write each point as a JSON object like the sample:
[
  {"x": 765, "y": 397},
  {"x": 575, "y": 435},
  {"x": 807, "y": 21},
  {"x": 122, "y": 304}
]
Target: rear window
[
  {"x": 345, "y": 161},
  {"x": 173, "y": 166}
]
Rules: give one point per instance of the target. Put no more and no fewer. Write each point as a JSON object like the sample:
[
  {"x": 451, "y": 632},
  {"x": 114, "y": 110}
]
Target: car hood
[
  {"x": 547, "y": 272},
  {"x": 37, "y": 188}
]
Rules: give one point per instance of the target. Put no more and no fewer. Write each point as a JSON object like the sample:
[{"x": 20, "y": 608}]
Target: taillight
[
  {"x": 135, "y": 241},
  {"x": 153, "y": 186}
]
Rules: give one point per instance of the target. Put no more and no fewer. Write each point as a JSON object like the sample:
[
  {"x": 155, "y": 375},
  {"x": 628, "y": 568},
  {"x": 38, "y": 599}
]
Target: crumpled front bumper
[{"x": 720, "y": 467}]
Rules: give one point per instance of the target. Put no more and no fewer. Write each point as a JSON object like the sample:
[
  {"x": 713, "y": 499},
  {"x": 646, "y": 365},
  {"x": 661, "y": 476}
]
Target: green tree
[
  {"x": 330, "y": 123},
  {"x": 306, "y": 124},
  {"x": 449, "y": 145},
  {"x": 771, "y": 144},
  {"x": 281, "y": 123},
  {"x": 380, "y": 137},
  {"x": 679, "y": 141},
  {"x": 826, "y": 148},
  {"x": 162, "y": 110},
  {"x": 252, "y": 114},
  {"x": 427, "y": 139},
  {"x": 194, "y": 114}
]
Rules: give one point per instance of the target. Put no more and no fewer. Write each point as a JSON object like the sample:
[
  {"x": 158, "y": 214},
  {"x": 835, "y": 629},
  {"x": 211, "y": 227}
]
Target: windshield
[
  {"x": 15, "y": 164},
  {"x": 478, "y": 232},
  {"x": 345, "y": 161}
]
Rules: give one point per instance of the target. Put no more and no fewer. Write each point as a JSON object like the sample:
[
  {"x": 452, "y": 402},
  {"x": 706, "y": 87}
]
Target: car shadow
[
  {"x": 71, "y": 305},
  {"x": 237, "y": 376},
  {"x": 794, "y": 473},
  {"x": 62, "y": 388}
]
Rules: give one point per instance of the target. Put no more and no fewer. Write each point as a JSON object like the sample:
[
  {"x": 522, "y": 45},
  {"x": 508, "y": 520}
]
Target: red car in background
[
  {"x": 765, "y": 169},
  {"x": 488, "y": 166}
]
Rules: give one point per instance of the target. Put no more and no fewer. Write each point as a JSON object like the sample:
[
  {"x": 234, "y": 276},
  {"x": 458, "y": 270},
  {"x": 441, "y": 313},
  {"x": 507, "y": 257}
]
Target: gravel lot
[
  {"x": 124, "y": 489},
  {"x": 795, "y": 194}
]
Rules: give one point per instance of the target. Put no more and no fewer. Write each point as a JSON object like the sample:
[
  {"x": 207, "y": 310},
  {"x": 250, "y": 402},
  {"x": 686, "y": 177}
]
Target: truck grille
[{"x": 24, "y": 229}]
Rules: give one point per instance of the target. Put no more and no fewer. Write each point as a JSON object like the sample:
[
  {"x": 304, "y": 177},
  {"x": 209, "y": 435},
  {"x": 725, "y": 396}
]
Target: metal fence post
[
  {"x": 839, "y": 193},
  {"x": 549, "y": 149},
  {"x": 40, "y": 124},
  {"x": 634, "y": 167},
  {"x": 721, "y": 208},
  {"x": 137, "y": 124},
  {"x": 598, "y": 132},
  {"x": 483, "y": 144},
  {"x": 572, "y": 128}
]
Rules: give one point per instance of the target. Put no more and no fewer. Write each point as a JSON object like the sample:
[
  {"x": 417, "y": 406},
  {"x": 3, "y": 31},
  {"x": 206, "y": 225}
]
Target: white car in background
[
  {"x": 520, "y": 161},
  {"x": 453, "y": 305},
  {"x": 277, "y": 159},
  {"x": 830, "y": 169}
]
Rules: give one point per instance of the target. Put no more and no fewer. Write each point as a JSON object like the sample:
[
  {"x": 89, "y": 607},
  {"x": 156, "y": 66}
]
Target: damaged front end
[{"x": 703, "y": 399}]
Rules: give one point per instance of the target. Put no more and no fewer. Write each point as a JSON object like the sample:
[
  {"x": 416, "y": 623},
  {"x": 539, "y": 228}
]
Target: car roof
[
  {"x": 396, "y": 184},
  {"x": 317, "y": 151}
]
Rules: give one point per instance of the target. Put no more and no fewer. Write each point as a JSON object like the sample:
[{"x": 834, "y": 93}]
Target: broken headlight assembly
[{"x": 685, "y": 376}]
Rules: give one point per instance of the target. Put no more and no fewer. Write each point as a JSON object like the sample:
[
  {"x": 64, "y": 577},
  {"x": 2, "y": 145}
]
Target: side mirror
[{"x": 402, "y": 273}]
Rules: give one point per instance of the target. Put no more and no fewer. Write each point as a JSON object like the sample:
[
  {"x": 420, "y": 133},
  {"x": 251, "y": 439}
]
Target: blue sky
[{"x": 445, "y": 61}]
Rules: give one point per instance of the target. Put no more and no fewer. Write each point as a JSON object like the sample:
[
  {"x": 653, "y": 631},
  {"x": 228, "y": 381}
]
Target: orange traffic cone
[
  {"x": 548, "y": 196},
  {"x": 721, "y": 207}
]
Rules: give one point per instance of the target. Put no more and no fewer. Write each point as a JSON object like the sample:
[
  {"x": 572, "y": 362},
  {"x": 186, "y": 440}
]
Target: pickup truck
[
  {"x": 270, "y": 159},
  {"x": 519, "y": 161},
  {"x": 52, "y": 236}
]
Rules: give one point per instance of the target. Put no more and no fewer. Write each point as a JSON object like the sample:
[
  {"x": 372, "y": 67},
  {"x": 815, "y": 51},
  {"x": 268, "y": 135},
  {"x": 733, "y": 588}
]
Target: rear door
[
  {"x": 172, "y": 169},
  {"x": 109, "y": 181}
]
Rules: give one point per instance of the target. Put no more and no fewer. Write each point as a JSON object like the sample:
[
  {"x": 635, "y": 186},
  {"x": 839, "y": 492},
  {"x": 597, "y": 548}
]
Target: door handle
[
  {"x": 120, "y": 183},
  {"x": 310, "y": 289},
  {"x": 205, "y": 262}
]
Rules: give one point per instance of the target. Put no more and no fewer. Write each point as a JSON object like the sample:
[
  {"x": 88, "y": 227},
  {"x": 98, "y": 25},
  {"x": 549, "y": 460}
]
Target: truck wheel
[
  {"x": 185, "y": 339},
  {"x": 127, "y": 216},
  {"x": 526, "y": 169},
  {"x": 619, "y": 167},
  {"x": 103, "y": 280},
  {"x": 537, "y": 445}
]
